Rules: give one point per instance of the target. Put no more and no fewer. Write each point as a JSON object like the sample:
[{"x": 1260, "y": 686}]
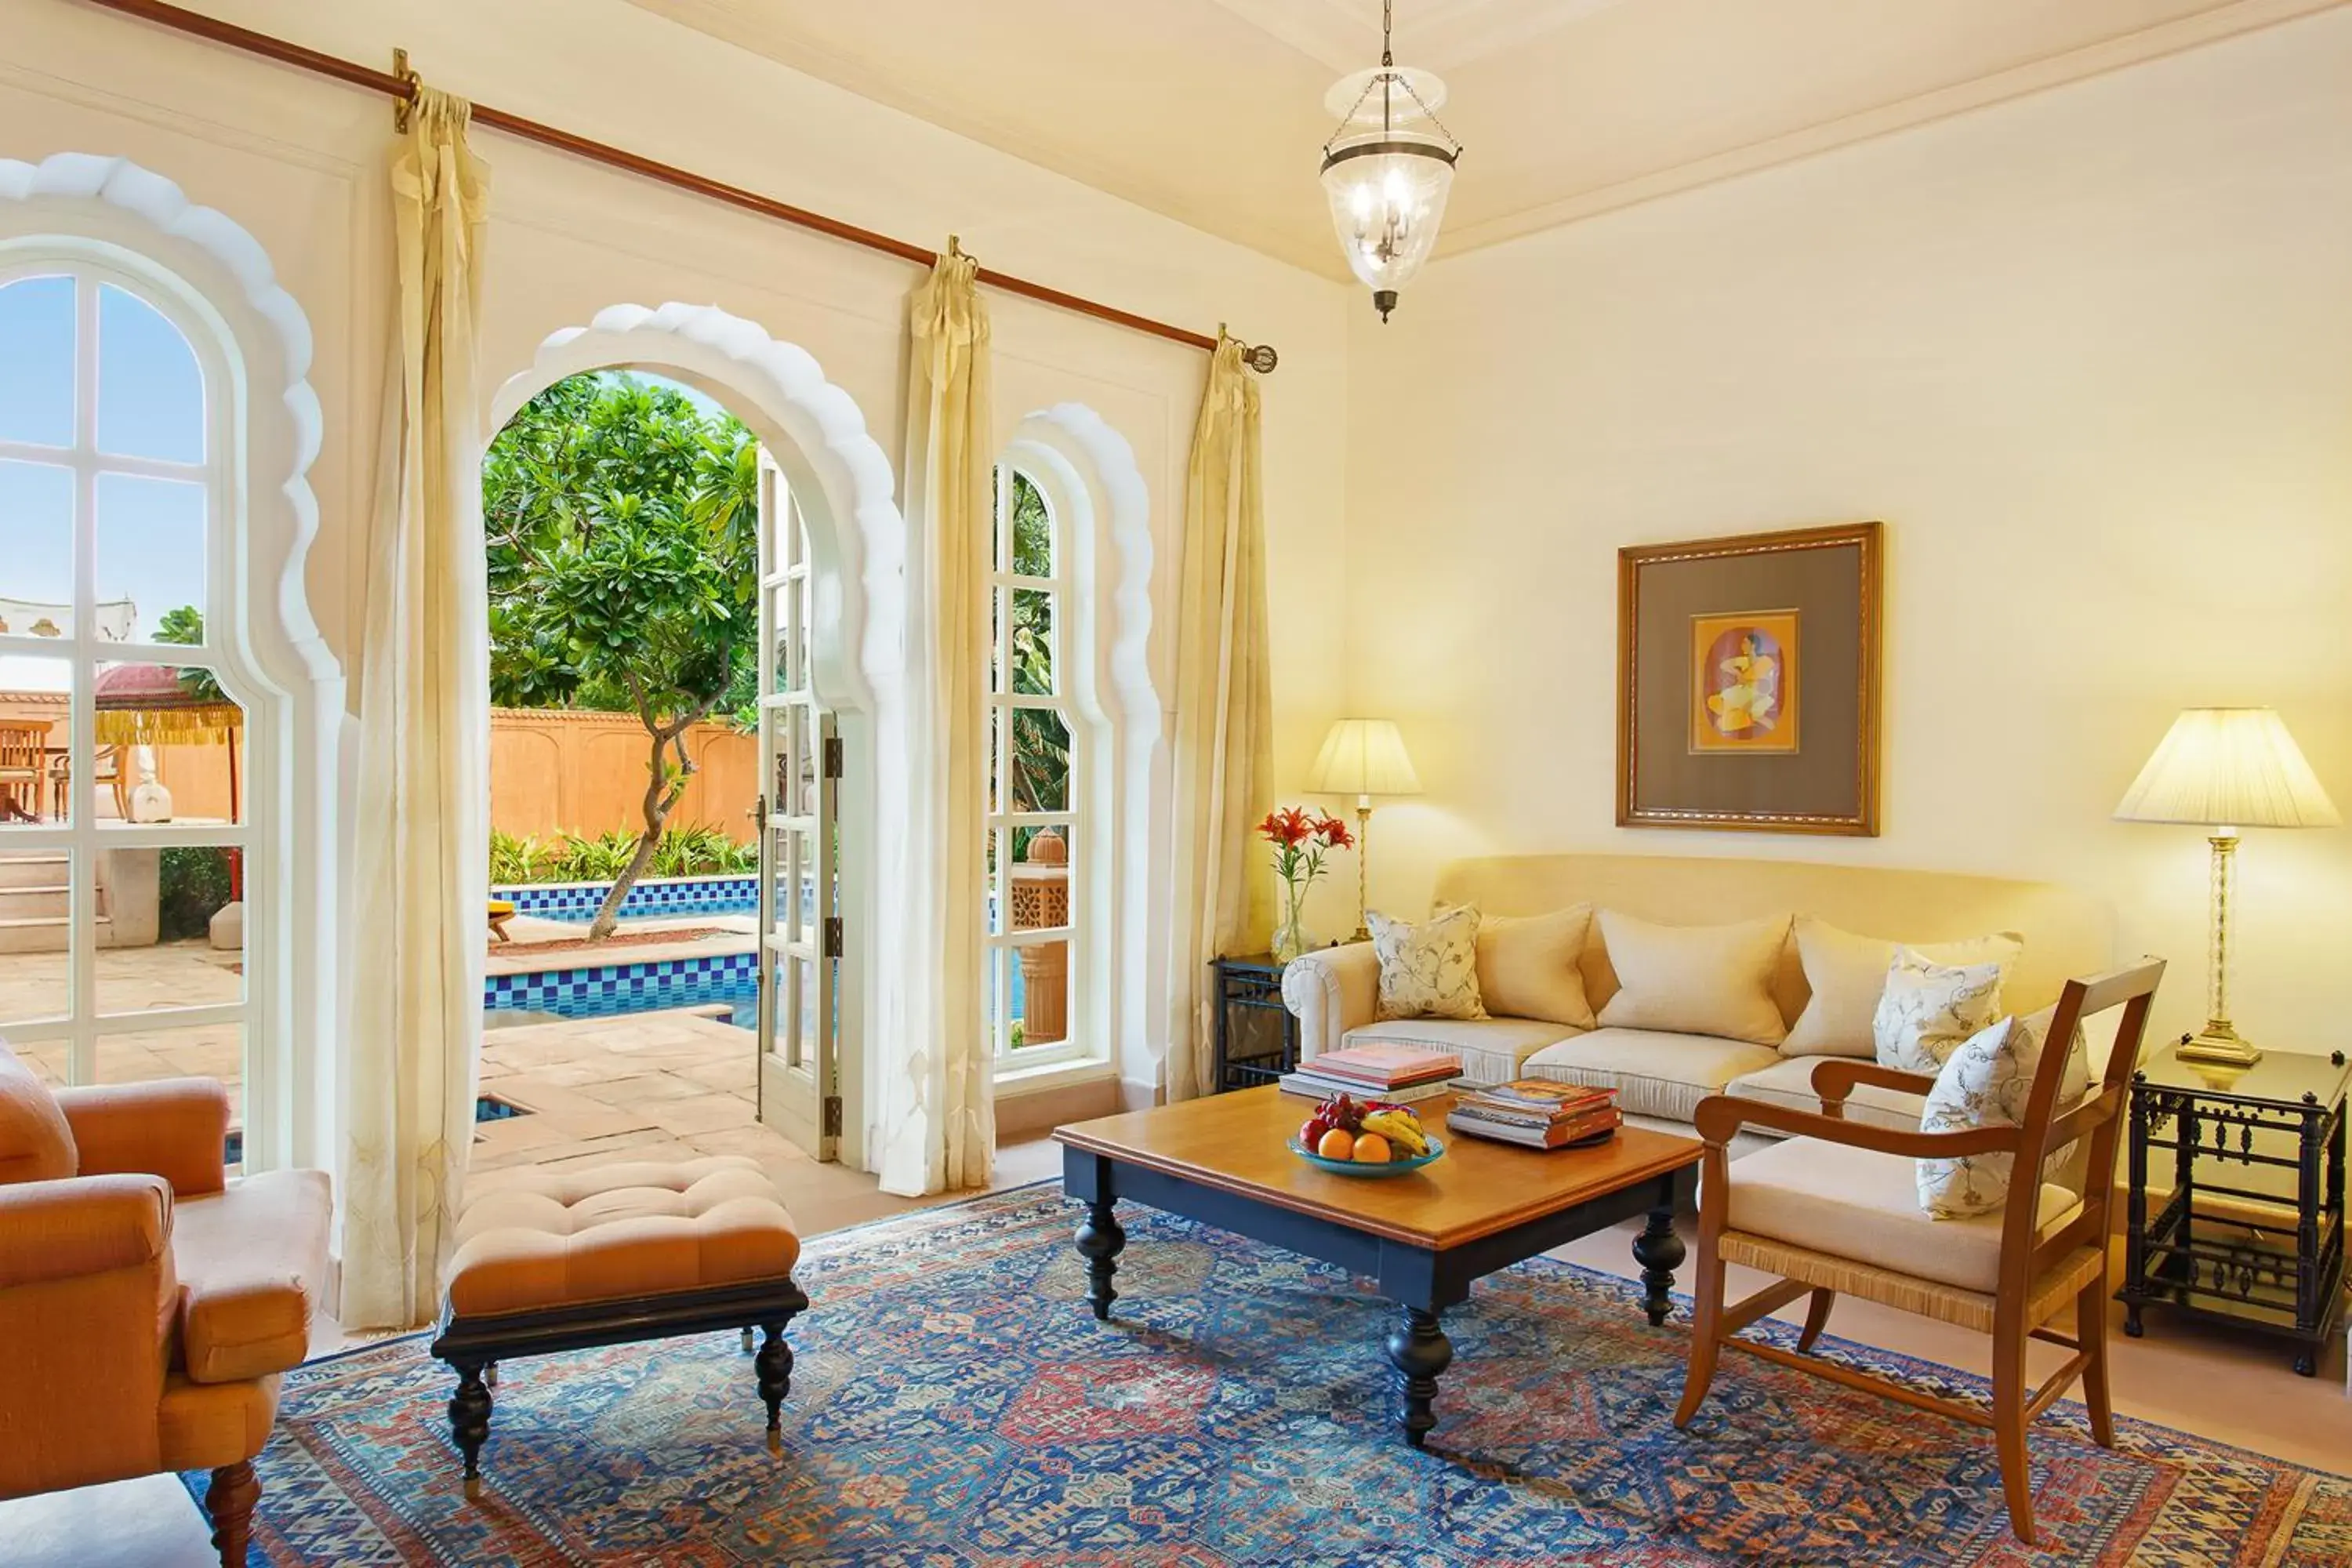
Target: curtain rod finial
[{"x": 1261, "y": 358}]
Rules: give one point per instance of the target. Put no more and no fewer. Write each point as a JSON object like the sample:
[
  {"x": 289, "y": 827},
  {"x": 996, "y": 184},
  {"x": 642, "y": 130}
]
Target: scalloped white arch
[
  {"x": 843, "y": 484},
  {"x": 249, "y": 332},
  {"x": 1089, "y": 474}
]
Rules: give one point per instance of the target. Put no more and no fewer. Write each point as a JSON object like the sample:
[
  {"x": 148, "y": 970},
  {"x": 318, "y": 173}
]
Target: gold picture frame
[{"x": 1748, "y": 678}]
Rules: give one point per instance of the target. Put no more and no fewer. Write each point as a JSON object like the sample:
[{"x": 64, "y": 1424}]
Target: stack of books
[
  {"x": 1535, "y": 1112},
  {"x": 1398, "y": 1074}
]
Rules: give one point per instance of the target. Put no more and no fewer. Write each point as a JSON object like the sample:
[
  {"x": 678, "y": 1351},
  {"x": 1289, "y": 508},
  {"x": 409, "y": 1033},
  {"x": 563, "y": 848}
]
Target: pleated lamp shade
[
  {"x": 2229, "y": 766},
  {"x": 1363, "y": 756}
]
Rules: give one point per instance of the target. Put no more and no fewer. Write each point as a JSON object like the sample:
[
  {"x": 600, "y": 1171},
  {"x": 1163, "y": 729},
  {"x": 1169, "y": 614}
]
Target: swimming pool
[
  {"x": 609, "y": 990},
  {"x": 654, "y": 898}
]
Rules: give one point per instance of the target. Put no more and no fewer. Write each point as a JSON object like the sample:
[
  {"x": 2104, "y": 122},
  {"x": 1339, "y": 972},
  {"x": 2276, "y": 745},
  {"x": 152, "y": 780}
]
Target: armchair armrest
[
  {"x": 174, "y": 1128},
  {"x": 1720, "y": 1117},
  {"x": 1834, "y": 1081},
  {"x": 84, "y": 1224},
  {"x": 1331, "y": 991},
  {"x": 88, "y": 1300}
]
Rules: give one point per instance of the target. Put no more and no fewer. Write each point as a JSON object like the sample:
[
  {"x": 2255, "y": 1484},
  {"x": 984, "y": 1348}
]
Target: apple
[{"x": 1312, "y": 1133}]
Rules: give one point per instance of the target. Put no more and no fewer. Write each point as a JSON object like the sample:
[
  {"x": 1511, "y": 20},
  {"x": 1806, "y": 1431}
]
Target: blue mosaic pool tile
[{"x": 654, "y": 896}]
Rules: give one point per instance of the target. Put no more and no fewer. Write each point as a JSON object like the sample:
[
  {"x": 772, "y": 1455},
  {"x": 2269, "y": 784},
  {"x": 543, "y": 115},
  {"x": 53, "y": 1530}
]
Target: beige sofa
[{"x": 1660, "y": 1077}]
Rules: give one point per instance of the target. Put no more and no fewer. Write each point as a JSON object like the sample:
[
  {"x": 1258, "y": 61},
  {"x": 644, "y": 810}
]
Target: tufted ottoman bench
[{"x": 562, "y": 1261}]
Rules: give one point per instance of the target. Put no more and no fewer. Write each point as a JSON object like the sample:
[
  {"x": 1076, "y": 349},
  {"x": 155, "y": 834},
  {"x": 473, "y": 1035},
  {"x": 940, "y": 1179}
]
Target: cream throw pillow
[
  {"x": 1429, "y": 970},
  {"x": 1847, "y": 974},
  {"x": 1529, "y": 967},
  {"x": 1988, "y": 1081},
  {"x": 1928, "y": 1008},
  {"x": 1696, "y": 980}
]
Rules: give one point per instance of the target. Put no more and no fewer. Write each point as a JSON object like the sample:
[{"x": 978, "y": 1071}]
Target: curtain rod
[{"x": 396, "y": 84}]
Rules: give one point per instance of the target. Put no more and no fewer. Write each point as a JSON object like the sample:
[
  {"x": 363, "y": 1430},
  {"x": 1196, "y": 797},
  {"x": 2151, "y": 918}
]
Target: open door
[{"x": 799, "y": 773}]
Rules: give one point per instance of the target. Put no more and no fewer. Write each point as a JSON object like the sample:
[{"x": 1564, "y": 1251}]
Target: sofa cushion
[
  {"x": 1698, "y": 980},
  {"x": 543, "y": 1239},
  {"x": 1987, "y": 1082},
  {"x": 1845, "y": 974},
  {"x": 1491, "y": 1049},
  {"x": 1928, "y": 1008},
  {"x": 253, "y": 1265},
  {"x": 35, "y": 1144},
  {"x": 1861, "y": 1204},
  {"x": 1654, "y": 1073},
  {"x": 1429, "y": 970},
  {"x": 1529, "y": 967},
  {"x": 1790, "y": 1082}
]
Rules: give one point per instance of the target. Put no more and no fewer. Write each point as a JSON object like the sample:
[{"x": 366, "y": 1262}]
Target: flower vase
[{"x": 1289, "y": 937}]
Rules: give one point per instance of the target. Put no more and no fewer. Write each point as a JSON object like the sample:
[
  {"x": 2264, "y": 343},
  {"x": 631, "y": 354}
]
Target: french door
[{"x": 799, "y": 917}]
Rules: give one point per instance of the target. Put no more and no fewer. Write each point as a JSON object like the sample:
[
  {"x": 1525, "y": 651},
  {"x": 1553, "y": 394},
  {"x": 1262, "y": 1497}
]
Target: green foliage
[
  {"x": 191, "y": 886},
  {"x": 690, "y": 850},
  {"x": 1040, "y": 763},
  {"x": 184, "y": 628},
  {"x": 622, "y": 531}
]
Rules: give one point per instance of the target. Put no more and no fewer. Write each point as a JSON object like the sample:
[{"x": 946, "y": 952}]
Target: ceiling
[{"x": 1212, "y": 110}]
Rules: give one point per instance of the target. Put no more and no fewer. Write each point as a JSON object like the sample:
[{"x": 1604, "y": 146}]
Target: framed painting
[{"x": 1749, "y": 681}]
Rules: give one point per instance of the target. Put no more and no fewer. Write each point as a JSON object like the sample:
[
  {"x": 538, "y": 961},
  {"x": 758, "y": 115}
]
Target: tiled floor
[{"x": 135, "y": 979}]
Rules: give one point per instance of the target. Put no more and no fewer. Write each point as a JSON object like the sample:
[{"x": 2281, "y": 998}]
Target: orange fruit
[
  {"x": 1337, "y": 1144},
  {"x": 1371, "y": 1149}
]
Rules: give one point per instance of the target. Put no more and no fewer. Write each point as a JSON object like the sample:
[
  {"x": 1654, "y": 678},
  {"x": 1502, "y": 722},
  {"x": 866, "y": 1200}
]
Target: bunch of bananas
[{"x": 1400, "y": 1128}]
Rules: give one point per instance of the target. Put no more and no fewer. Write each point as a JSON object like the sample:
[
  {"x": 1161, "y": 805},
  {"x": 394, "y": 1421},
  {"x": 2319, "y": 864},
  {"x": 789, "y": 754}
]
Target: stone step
[
  {"x": 47, "y": 933},
  {"x": 30, "y": 870},
  {"x": 33, "y": 900}
]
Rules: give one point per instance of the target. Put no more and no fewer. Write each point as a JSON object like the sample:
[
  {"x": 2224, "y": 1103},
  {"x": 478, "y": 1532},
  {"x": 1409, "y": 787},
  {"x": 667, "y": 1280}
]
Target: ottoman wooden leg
[
  {"x": 470, "y": 1420},
  {"x": 774, "y": 1364}
]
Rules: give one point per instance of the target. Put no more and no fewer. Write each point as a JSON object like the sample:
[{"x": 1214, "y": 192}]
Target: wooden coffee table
[{"x": 1424, "y": 1235}]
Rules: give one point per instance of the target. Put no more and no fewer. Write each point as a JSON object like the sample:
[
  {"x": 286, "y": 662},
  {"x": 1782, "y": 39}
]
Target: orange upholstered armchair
[{"x": 146, "y": 1304}]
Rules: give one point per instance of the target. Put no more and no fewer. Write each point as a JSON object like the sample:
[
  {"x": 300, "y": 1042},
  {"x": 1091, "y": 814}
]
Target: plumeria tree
[{"x": 622, "y": 542}]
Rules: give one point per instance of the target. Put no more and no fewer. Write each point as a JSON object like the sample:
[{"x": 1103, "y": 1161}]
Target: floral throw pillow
[
  {"x": 1429, "y": 970},
  {"x": 1987, "y": 1082},
  {"x": 1928, "y": 1008}
]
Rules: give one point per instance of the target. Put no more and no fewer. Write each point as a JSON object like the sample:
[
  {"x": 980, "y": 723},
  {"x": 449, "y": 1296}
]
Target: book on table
[
  {"x": 1382, "y": 1067},
  {"x": 1594, "y": 1123},
  {"x": 1314, "y": 1086}
]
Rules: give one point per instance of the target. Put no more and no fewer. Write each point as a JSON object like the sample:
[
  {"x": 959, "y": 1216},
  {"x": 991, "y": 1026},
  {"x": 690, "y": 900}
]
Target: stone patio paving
[{"x": 643, "y": 1085}]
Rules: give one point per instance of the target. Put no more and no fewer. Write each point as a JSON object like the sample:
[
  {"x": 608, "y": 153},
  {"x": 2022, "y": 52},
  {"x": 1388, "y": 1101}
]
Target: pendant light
[{"x": 1387, "y": 170}]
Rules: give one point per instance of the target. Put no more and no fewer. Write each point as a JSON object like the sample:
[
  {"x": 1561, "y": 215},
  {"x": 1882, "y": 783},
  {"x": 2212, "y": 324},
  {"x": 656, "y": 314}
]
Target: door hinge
[
  {"x": 833, "y": 936},
  {"x": 832, "y": 1116},
  {"x": 833, "y": 763},
  {"x": 760, "y": 813}
]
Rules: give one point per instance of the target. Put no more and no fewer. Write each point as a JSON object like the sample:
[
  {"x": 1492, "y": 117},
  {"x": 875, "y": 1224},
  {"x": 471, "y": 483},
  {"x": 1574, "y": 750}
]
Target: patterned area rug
[{"x": 954, "y": 1402}]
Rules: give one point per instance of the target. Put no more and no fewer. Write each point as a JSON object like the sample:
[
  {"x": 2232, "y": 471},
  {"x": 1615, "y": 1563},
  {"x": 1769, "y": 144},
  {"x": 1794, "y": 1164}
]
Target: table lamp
[
  {"x": 2226, "y": 768},
  {"x": 1363, "y": 757}
]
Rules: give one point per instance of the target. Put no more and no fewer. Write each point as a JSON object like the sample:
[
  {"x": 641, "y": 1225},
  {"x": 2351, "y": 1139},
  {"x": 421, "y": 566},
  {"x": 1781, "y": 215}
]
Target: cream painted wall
[
  {"x": 300, "y": 163},
  {"x": 2089, "y": 354}
]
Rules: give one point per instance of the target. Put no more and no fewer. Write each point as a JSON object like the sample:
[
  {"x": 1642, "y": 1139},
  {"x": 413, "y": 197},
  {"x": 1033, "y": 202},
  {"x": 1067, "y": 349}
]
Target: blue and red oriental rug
[{"x": 954, "y": 1402}]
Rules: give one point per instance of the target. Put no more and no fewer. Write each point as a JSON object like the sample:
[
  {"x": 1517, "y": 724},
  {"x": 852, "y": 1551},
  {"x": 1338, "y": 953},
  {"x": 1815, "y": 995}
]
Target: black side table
[
  {"x": 2252, "y": 1232},
  {"x": 1257, "y": 1039}
]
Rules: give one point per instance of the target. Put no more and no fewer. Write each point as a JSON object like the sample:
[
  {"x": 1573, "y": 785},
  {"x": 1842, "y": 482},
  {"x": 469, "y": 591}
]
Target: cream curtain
[
  {"x": 938, "y": 1116},
  {"x": 422, "y": 869},
  {"x": 1224, "y": 749}
]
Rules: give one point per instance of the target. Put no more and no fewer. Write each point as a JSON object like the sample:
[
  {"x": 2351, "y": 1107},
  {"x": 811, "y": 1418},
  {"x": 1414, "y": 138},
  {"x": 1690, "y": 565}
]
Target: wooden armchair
[
  {"x": 1835, "y": 1208},
  {"x": 147, "y": 1305}
]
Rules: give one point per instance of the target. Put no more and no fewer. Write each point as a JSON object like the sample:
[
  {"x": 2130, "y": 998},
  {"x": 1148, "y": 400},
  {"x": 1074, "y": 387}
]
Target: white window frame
[
  {"x": 1002, "y": 943},
  {"x": 214, "y": 281},
  {"x": 83, "y": 838}
]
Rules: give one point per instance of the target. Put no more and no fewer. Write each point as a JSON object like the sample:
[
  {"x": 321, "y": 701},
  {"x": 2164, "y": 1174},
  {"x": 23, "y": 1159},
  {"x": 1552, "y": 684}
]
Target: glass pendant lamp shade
[
  {"x": 1388, "y": 196},
  {"x": 1387, "y": 171}
]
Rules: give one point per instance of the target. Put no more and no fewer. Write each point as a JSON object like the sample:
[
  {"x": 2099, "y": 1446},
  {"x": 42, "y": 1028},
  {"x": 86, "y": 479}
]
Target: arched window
[
  {"x": 122, "y": 731},
  {"x": 1037, "y": 798}
]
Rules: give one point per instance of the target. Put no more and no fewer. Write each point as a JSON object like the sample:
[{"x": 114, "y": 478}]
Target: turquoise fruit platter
[{"x": 1368, "y": 1168}]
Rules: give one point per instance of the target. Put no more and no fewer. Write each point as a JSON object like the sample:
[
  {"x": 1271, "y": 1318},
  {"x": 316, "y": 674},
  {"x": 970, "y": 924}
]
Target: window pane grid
[{"x": 135, "y": 505}]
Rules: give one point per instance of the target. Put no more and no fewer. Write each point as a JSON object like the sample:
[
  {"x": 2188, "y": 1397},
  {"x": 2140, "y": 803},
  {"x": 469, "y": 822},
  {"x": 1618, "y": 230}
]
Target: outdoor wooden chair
[
  {"x": 1834, "y": 1209},
  {"x": 24, "y": 769}
]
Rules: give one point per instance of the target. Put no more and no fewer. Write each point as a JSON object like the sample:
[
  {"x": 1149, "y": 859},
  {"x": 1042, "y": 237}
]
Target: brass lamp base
[{"x": 2220, "y": 1044}]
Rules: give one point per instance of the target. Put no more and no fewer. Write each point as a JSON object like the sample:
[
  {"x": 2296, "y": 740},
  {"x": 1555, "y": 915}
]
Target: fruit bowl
[{"x": 1370, "y": 1167}]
